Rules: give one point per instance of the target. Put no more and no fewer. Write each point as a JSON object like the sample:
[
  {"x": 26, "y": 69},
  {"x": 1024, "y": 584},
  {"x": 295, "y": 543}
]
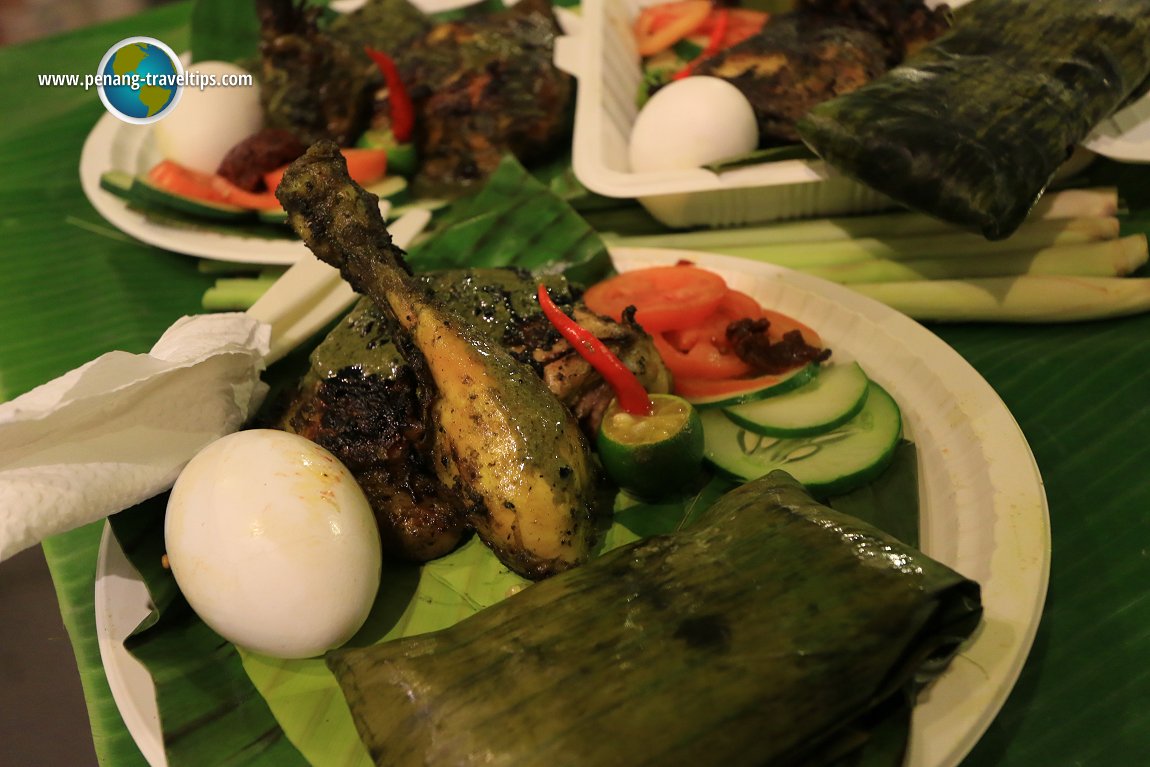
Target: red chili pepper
[
  {"x": 402, "y": 110},
  {"x": 628, "y": 390},
  {"x": 714, "y": 42}
]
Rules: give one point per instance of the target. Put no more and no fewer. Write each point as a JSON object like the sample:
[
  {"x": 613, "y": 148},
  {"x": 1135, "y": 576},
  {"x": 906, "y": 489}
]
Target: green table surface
[{"x": 73, "y": 287}]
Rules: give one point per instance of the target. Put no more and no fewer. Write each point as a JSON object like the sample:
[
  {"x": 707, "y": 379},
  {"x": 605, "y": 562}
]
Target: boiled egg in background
[
  {"x": 690, "y": 123},
  {"x": 273, "y": 543},
  {"x": 208, "y": 122}
]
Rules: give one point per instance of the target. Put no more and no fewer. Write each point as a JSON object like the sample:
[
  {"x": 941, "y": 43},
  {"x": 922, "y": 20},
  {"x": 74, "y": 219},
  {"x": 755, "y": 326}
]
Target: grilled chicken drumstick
[{"x": 501, "y": 437}]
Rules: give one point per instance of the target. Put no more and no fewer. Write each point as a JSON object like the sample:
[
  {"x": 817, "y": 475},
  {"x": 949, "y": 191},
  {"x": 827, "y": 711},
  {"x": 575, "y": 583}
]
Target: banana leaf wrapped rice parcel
[
  {"x": 973, "y": 128},
  {"x": 769, "y": 631}
]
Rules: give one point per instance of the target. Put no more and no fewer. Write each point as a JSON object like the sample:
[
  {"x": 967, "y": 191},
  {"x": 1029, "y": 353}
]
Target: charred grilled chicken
[
  {"x": 484, "y": 87},
  {"x": 822, "y": 49},
  {"x": 501, "y": 439},
  {"x": 361, "y": 398}
]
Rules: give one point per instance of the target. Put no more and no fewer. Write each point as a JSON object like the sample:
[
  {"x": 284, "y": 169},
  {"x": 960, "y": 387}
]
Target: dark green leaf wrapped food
[
  {"x": 767, "y": 632},
  {"x": 973, "y": 127}
]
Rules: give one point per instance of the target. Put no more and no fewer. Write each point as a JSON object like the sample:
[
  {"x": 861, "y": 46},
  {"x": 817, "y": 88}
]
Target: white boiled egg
[
  {"x": 208, "y": 121},
  {"x": 691, "y": 122},
  {"x": 273, "y": 543}
]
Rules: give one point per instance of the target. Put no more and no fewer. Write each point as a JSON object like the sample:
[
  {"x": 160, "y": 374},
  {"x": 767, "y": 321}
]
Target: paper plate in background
[
  {"x": 116, "y": 145},
  {"x": 983, "y": 507}
]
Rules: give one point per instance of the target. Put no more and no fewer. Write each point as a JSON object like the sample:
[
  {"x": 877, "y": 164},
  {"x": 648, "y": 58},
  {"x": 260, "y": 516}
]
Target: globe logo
[{"x": 140, "y": 80}]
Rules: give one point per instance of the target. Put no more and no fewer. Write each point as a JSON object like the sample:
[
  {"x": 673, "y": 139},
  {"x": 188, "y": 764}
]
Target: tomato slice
[
  {"x": 711, "y": 387},
  {"x": 741, "y": 23},
  {"x": 207, "y": 187},
  {"x": 702, "y": 360},
  {"x": 185, "y": 182},
  {"x": 735, "y": 305},
  {"x": 665, "y": 297},
  {"x": 658, "y": 27},
  {"x": 242, "y": 197},
  {"x": 364, "y": 166},
  {"x": 782, "y": 324}
]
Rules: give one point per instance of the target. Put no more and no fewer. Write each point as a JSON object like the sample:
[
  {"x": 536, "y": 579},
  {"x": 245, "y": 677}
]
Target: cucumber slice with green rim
[
  {"x": 726, "y": 393},
  {"x": 402, "y": 159},
  {"x": 431, "y": 205},
  {"x": 118, "y": 183},
  {"x": 831, "y": 399},
  {"x": 277, "y": 216},
  {"x": 146, "y": 192},
  {"x": 390, "y": 188},
  {"x": 830, "y": 463}
]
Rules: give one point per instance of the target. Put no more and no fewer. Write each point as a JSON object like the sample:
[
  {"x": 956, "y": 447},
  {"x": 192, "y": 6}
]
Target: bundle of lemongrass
[{"x": 1068, "y": 262}]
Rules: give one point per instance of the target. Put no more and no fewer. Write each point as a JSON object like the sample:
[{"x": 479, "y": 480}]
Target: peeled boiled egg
[
  {"x": 207, "y": 122},
  {"x": 691, "y": 122},
  {"x": 273, "y": 543}
]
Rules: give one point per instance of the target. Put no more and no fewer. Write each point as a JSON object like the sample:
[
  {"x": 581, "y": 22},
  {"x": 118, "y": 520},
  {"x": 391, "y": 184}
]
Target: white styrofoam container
[
  {"x": 604, "y": 58},
  {"x": 600, "y": 51}
]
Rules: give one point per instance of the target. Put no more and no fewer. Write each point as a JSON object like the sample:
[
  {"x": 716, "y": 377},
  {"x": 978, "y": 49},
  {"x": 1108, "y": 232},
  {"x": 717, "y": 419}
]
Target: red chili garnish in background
[
  {"x": 714, "y": 43},
  {"x": 402, "y": 110},
  {"x": 628, "y": 390}
]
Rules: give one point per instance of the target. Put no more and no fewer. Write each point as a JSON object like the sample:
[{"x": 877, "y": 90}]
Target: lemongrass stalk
[
  {"x": 895, "y": 244},
  {"x": 1110, "y": 258},
  {"x": 214, "y": 267},
  {"x": 1046, "y": 234},
  {"x": 1072, "y": 203},
  {"x": 236, "y": 293},
  {"x": 1029, "y": 298},
  {"x": 1077, "y": 203}
]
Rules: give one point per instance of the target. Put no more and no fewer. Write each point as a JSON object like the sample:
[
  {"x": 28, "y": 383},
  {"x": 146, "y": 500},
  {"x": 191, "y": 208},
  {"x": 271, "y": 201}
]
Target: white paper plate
[
  {"x": 983, "y": 506},
  {"x": 116, "y": 145}
]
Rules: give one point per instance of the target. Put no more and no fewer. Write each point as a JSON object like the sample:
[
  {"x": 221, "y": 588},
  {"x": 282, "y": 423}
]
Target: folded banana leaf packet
[
  {"x": 768, "y": 631},
  {"x": 973, "y": 127}
]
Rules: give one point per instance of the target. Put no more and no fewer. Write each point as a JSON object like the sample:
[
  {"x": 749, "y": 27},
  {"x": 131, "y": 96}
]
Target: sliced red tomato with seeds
[
  {"x": 701, "y": 360},
  {"x": 735, "y": 305},
  {"x": 666, "y": 297}
]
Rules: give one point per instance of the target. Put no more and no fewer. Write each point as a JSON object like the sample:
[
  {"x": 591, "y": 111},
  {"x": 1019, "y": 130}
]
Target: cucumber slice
[
  {"x": 402, "y": 159},
  {"x": 757, "y": 388},
  {"x": 834, "y": 397},
  {"x": 144, "y": 191},
  {"x": 277, "y": 216},
  {"x": 118, "y": 183},
  {"x": 430, "y": 205},
  {"x": 390, "y": 188},
  {"x": 831, "y": 463}
]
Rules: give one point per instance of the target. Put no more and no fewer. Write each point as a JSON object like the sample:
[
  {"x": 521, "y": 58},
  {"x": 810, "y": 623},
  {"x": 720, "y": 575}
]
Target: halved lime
[{"x": 653, "y": 456}]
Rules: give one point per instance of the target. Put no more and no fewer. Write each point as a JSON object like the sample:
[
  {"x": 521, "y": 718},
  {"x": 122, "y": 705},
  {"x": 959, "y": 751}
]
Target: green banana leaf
[
  {"x": 514, "y": 220},
  {"x": 770, "y": 628}
]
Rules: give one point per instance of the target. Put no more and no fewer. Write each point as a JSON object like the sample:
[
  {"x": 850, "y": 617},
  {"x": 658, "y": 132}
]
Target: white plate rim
[{"x": 1005, "y": 488}]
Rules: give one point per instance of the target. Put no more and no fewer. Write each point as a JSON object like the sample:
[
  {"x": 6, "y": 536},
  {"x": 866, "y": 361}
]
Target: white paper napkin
[{"x": 119, "y": 429}]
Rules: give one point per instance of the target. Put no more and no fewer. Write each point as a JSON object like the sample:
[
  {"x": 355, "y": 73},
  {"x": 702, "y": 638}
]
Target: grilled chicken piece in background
[
  {"x": 311, "y": 84},
  {"x": 822, "y": 49},
  {"x": 483, "y": 87},
  {"x": 501, "y": 439},
  {"x": 903, "y": 26}
]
